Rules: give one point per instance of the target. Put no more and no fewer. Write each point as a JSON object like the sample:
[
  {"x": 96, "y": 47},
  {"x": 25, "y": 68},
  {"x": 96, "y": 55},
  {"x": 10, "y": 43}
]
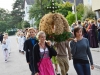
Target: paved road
[{"x": 17, "y": 65}]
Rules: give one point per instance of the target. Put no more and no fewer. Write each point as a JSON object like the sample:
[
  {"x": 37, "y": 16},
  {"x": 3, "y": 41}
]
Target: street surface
[{"x": 17, "y": 65}]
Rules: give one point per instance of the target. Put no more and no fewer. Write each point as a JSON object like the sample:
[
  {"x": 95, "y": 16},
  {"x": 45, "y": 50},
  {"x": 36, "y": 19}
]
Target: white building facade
[
  {"x": 87, "y": 2},
  {"x": 96, "y": 7},
  {"x": 27, "y": 6}
]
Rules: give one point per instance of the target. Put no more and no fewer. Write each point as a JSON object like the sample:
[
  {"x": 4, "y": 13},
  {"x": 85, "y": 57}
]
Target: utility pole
[
  {"x": 41, "y": 7},
  {"x": 75, "y": 10}
]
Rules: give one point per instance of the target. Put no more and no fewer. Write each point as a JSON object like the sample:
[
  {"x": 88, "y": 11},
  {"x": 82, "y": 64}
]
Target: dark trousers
[
  {"x": 99, "y": 36},
  {"x": 82, "y": 69},
  {"x": 1, "y": 41},
  {"x": 31, "y": 66}
]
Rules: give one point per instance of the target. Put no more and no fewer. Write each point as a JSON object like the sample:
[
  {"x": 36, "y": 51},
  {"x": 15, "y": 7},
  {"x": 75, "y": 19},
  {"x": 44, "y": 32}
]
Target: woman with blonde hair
[
  {"x": 43, "y": 52},
  {"x": 28, "y": 47}
]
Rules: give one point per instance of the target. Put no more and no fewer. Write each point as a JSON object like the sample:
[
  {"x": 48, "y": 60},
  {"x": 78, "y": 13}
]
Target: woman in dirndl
[{"x": 43, "y": 52}]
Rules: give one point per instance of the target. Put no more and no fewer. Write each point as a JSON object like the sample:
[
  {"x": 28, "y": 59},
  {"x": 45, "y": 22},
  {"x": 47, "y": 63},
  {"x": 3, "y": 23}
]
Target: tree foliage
[
  {"x": 40, "y": 8},
  {"x": 5, "y": 19},
  {"x": 64, "y": 8},
  {"x": 89, "y": 13},
  {"x": 71, "y": 18},
  {"x": 25, "y": 24},
  {"x": 80, "y": 9},
  {"x": 3, "y": 26},
  {"x": 18, "y": 12}
]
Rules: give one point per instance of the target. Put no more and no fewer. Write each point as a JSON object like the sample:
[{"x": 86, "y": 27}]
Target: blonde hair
[
  {"x": 27, "y": 35},
  {"x": 4, "y": 36},
  {"x": 99, "y": 20},
  {"x": 5, "y": 33},
  {"x": 39, "y": 34},
  {"x": 92, "y": 21},
  {"x": 31, "y": 29},
  {"x": 18, "y": 33},
  {"x": 83, "y": 24}
]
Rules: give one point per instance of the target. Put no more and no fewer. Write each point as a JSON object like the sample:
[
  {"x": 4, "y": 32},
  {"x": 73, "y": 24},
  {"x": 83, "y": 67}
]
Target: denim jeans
[{"x": 82, "y": 69}]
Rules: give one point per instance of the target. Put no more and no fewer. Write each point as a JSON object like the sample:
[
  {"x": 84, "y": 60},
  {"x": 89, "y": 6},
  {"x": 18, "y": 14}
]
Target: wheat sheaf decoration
[{"x": 55, "y": 26}]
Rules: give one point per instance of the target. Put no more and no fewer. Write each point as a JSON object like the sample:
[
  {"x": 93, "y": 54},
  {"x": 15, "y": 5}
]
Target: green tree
[
  {"x": 80, "y": 9},
  {"x": 18, "y": 12},
  {"x": 5, "y": 19},
  {"x": 71, "y": 18},
  {"x": 3, "y": 27},
  {"x": 88, "y": 13},
  {"x": 2, "y": 14},
  {"x": 64, "y": 8},
  {"x": 25, "y": 24},
  {"x": 40, "y": 8}
]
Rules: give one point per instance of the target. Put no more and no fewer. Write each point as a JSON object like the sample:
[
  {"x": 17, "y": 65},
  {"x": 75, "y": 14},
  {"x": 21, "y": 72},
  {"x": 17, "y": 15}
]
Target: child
[
  {"x": 8, "y": 42},
  {"x": 21, "y": 42},
  {"x": 5, "y": 50}
]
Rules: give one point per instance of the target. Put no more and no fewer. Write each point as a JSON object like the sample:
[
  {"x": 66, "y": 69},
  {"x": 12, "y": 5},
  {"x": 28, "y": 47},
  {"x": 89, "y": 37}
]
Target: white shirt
[
  {"x": 8, "y": 41},
  {"x": 21, "y": 40},
  {"x": 4, "y": 46}
]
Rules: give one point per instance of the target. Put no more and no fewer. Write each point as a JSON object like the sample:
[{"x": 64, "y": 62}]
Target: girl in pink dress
[{"x": 43, "y": 51}]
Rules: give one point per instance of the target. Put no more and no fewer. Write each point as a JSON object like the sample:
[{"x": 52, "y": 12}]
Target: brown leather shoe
[{"x": 22, "y": 52}]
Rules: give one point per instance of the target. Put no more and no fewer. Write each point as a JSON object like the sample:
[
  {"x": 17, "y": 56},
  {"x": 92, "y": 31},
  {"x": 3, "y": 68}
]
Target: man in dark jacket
[{"x": 28, "y": 47}]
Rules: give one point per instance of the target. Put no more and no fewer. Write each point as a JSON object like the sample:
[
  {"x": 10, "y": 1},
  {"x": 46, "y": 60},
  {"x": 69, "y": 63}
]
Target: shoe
[
  {"x": 19, "y": 50},
  {"x": 67, "y": 74},
  {"x": 5, "y": 61},
  {"x": 57, "y": 73},
  {"x": 22, "y": 52}
]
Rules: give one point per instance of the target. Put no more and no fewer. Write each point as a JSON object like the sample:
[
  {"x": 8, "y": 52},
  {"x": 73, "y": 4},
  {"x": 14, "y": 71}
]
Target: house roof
[
  {"x": 77, "y": 1},
  {"x": 30, "y": 2}
]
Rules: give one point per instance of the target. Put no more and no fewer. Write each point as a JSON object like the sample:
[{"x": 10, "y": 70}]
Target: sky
[
  {"x": 6, "y": 4},
  {"x": 90, "y": 2}
]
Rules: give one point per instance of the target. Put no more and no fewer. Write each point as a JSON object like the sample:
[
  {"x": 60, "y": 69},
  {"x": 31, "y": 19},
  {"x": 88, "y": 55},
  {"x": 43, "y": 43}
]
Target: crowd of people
[
  {"x": 91, "y": 31},
  {"x": 40, "y": 51}
]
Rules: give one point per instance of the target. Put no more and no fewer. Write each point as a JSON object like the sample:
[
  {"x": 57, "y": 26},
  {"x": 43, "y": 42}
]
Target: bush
[
  {"x": 71, "y": 18},
  {"x": 11, "y": 32},
  {"x": 25, "y": 24}
]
